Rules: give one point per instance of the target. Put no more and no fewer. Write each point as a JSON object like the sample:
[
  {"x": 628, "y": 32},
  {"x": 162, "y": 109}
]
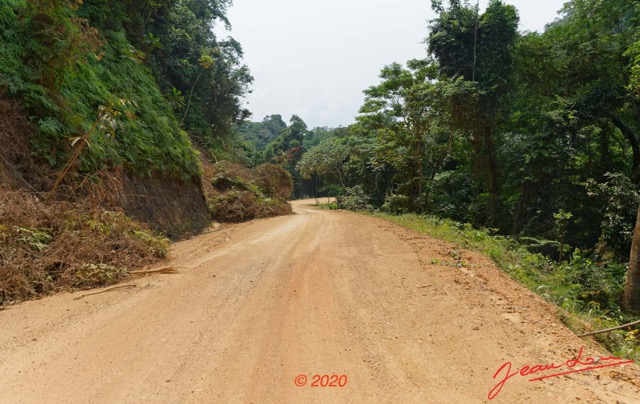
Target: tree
[
  {"x": 404, "y": 109},
  {"x": 631, "y": 299},
  {"x": 478, "y": 49},
  {"x": 326, "y": 159},
  {"x": 174, "y": 38},
  {"x": 573, "y": 122}
]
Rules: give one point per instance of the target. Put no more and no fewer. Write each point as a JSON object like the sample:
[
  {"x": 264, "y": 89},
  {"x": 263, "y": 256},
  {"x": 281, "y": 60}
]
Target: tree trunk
[
  {"x": 485, "y": 169},
  {"x": 521, "y": 213},
  {"x": 631, "y": 300},
  {"x": 633, "y": 141},
  {"x": 492, "y": 181}
]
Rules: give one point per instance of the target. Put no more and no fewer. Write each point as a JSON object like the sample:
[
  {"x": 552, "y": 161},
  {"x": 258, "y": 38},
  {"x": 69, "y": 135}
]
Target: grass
[
  {"x": 326, "y": 206},
  {"x": 587, "y": 293}
]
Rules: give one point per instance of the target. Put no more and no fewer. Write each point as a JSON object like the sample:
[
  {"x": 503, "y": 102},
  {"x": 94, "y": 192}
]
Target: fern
[{"x": 62, "y": 82}]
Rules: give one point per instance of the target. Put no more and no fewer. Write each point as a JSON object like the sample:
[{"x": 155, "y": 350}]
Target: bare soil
[{"x": 259, "y": 304}]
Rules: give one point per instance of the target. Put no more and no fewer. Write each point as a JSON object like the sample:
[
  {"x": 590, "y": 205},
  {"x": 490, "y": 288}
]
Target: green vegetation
[
  {"x": 64, "y": 71},
  {"x": 148, "y": 61},
  {"x": 533, "y": 134},
  {"x": 587, "y": 292},
  {"x": 289, "y": 146}
]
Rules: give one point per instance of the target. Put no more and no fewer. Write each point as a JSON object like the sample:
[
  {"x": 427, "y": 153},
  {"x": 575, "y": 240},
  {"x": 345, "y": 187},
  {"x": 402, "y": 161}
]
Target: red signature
[{"x": 570, "y": 364}]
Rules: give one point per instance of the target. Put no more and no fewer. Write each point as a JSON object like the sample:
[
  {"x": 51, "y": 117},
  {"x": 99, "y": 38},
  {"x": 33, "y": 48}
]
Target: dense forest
[
  {"x": 531, "y": 135},
  {"x": 139, "y": 72}
]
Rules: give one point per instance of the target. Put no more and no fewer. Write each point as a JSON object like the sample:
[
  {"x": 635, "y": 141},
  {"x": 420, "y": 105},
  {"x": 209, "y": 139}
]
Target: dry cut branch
[
  {"x": 104, "y": 291},
  {"x": 610, "y": 329}
]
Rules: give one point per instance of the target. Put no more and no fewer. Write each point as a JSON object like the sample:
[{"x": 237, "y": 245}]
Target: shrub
[
  {"x": 354, "y": 199},
  {"x": 397, "y": 204},
  {"x": 274, "y": 180}
]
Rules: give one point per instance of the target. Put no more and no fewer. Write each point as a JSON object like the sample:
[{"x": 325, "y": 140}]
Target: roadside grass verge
[
  {"x": 587, "y": 293},
  {"x": 332, "y": 205}
]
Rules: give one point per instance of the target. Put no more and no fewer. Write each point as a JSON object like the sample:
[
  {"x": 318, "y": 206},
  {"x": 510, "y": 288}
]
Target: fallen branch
[
  {"x": 167, "y": 270},
  {"x": 610, "y": 329},
  {"x": 105, "y": 291}
]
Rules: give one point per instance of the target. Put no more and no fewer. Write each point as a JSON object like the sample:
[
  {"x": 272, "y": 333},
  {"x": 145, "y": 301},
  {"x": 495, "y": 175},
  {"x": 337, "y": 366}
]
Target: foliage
[
  {"x": 257, "y": 135},
  {"x": 398, "y": 204},
  {"x": 63, "y": 70},
  {"x": 354, "y": 199},
  {"x": 621, "y": 200},
  {"x": 37, "y": 239},
  {"x": 185, "y": 56},
  {"x": 407, "y": 112},
  {"x": 65, "y": 58},
  {"x": 325, "y": 159},
  {"x": 273, "y": 141},
  {"x": 92, "y": 275}
]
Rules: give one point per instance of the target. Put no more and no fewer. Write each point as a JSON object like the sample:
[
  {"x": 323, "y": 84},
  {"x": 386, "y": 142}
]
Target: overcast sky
[{"x": 314, "y": 58}]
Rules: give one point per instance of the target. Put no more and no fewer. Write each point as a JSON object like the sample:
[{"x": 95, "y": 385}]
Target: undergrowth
[
  {"x": 587, "y": 293},
  {"x": 47, "y": 247},
  {"x": 63, "y": 71}
]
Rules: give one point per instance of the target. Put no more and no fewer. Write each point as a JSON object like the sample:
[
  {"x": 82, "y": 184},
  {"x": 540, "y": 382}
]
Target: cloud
[{"x": 314, "y": 58}]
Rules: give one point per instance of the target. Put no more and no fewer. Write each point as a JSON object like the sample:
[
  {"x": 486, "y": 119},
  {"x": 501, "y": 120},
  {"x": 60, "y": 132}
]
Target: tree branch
[{"x": 631, "y": 137}]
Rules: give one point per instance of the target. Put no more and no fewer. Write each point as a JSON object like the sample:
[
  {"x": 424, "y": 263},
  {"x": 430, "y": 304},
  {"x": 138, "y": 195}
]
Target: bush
[
  {"x": 620, "y": 198},
  {"x": 274, "y": 180},
  {"x": 354, "y": 199},
  {"x": 397, "y": 204}
]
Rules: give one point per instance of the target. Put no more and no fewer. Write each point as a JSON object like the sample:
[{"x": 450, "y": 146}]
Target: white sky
[{"x": 314, "y": 58}]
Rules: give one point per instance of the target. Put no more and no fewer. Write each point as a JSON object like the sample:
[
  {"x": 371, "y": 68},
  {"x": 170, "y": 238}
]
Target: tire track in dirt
[{"x": 319, "y": 292}]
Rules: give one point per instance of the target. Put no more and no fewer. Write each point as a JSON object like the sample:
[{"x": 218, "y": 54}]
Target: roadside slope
[{"x": 320, "y": 292}]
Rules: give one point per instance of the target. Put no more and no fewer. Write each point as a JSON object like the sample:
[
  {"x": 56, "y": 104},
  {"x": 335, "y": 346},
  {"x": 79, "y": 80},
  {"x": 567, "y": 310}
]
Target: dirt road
[{"x": 260, "y": 306}]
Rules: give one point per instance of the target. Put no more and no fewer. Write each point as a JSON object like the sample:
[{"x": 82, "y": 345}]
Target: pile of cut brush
[
  {"x": 236, "y": 193},
  {"x": 50, "y": 246}
]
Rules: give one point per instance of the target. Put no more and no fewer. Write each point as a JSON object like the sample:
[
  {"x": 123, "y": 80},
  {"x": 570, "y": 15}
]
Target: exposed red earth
[{"x": 260, "y": 312}]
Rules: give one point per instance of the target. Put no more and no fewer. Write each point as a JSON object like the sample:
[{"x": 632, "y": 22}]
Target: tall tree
[
  {"x": 326, "y": 159},
  {"x": 406, "y": 108},
  {"x": 631, "y": 298},
  {"x": 478, "y": 48}
]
